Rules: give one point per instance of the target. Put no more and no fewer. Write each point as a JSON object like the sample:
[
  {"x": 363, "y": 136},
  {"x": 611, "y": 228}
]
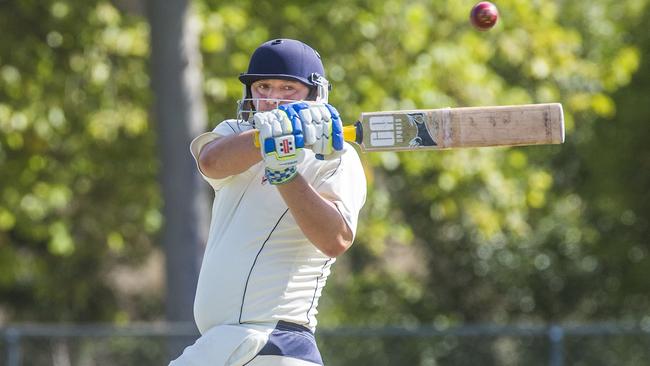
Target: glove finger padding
[
  {"x": 283, "y": 120},
  {"x": 337, "y": 128},
  {"x": 330, "y": 133},
  {"x": 321, "y": 127},
  {"x": 263, "y": 125},
  {"x": 308, "y": 129},
  {"x": 291, "y": 111}
]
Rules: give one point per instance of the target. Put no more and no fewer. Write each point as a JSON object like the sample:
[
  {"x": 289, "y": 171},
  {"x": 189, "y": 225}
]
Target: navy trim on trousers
[{"x": 292, "y": 340}]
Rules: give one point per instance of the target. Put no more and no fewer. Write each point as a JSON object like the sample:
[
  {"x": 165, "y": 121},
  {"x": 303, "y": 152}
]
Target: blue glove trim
[
  {"x": 299, "y": 141},
  {"x": 337, "y": 128},
  {"x": 269, "y": 145},
  {"x": 292, "y": 110}
]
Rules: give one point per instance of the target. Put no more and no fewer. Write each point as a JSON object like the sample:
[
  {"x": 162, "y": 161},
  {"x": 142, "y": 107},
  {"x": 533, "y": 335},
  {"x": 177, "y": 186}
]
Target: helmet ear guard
[{"x": 320, "y": 89}]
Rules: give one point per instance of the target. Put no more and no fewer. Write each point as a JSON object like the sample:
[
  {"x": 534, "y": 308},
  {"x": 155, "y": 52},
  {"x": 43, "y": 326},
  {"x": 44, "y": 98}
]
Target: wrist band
[{"x": 276, "y": 177}]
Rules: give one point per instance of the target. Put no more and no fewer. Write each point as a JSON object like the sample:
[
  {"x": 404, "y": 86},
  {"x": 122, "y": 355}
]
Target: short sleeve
[{"x": 225, "y": 128}]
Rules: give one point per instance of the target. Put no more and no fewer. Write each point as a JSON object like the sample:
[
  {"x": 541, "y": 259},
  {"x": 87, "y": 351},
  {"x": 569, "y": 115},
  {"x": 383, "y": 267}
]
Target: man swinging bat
[{"x": 288, "y": 191}]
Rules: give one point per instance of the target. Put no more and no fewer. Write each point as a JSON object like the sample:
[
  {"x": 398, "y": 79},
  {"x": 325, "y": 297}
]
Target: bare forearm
[
  {"x": 229, "y": 155},
  {"x": 318, "y": 218}
]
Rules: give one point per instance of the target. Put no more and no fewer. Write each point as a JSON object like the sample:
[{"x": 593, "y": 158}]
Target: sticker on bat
[
  {"x": 423, "y": 137},
  {"x": 385, "y": 131}
]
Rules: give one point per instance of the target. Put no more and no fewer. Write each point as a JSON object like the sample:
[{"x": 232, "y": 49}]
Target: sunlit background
[{"x": 98, "y": 224}]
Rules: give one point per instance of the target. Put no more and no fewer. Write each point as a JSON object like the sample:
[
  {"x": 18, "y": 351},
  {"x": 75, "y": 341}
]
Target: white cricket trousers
[{"x": 286, "y": 344}]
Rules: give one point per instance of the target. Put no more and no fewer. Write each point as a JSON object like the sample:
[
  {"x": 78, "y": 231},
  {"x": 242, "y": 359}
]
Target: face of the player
[{"x": 277, "y": 89}]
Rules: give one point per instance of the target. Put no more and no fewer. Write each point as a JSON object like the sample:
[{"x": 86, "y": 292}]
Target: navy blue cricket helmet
[{"x": 287, "y": 59}]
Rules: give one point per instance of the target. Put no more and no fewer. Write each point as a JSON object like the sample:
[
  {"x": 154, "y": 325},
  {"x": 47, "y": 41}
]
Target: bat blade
[{"x": 448, "y": 128}]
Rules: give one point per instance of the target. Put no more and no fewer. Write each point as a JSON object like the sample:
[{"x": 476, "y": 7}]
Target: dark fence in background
[{"x": 487, "y": 345}]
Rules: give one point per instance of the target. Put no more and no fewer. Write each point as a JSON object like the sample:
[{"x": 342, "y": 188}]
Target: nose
[
  {"x": 271, "y": 100},
  {"x": 267, "y": 104}
]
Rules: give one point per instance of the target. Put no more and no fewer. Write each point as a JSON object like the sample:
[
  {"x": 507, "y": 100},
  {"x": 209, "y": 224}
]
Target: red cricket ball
[{"x": 484, "y": 15}]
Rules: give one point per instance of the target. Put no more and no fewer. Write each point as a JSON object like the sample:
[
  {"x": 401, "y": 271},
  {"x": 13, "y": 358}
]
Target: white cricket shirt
[{"x": 258, "y": 266}]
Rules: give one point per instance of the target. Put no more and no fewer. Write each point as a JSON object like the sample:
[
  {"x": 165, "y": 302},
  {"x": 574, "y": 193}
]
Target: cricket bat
[{"x": 450, "y": 128}]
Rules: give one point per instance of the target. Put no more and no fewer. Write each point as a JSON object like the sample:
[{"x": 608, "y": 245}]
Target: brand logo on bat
[
  {"x": 385, "y": 130},
  {"x": 391, "y": 130}
]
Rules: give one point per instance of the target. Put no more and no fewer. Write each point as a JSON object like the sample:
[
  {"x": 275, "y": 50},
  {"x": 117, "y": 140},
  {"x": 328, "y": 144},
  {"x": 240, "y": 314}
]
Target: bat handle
[
  {"x": 353, "y": 133},
  {"x": 256, "y": 139},
  {"x": 350, "y": 133}
]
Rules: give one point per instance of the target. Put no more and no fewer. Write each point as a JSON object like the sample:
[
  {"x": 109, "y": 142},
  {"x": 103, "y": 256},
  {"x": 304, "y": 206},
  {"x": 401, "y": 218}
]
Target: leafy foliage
[
  {"x": 78, "y": 191},
  {"x": 484, "y": 235}
]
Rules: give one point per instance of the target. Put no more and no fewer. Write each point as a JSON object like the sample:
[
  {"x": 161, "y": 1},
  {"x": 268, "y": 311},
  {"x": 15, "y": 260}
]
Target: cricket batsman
[{"x": 288, "y": 191}]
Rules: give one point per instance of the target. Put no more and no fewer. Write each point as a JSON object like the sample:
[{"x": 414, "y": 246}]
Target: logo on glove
[{"x": 285, "y": 145}]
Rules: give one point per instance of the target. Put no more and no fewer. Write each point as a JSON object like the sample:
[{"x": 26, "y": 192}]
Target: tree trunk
[{"x": 180, "y": 115}]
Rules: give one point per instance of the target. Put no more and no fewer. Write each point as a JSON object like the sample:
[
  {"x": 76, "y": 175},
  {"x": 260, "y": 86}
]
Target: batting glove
[
  {"x": 281, "y": 145},
  {"x": 321, "y": 126}
]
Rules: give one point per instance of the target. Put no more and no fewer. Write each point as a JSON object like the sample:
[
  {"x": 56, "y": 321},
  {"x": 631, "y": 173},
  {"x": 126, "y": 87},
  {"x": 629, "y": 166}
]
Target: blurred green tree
[
  {"x": 548, "y": 233},
  {"x": 499, "y": 235},
  {"x": 78, "y": 191}
]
